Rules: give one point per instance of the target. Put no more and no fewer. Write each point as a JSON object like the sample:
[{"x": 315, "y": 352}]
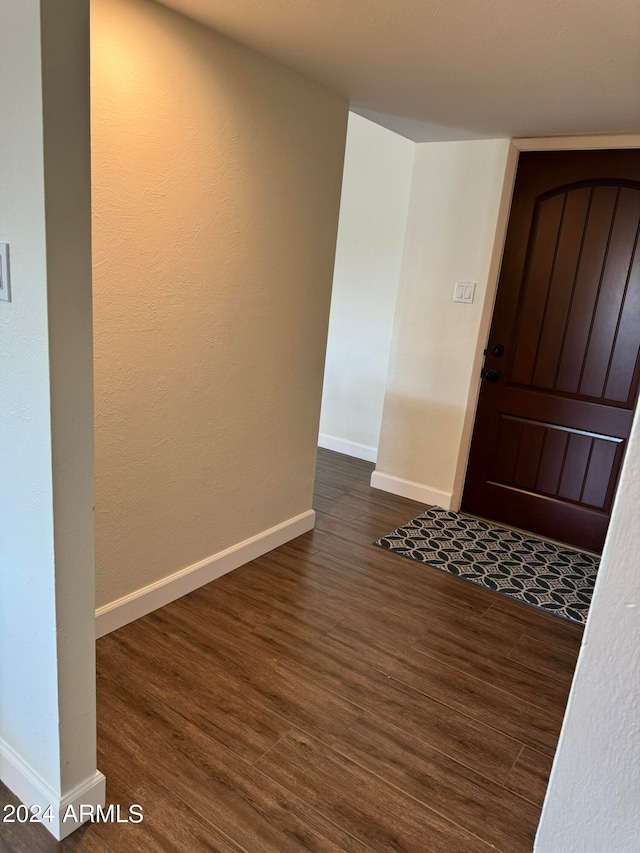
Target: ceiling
[{"x": 455, "y": 69}]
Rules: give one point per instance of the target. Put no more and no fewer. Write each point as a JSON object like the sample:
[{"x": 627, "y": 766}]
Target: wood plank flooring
[{"x": 329, "y": 696}]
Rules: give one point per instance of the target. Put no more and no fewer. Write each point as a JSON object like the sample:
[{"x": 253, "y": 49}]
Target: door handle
[
  {"x": 497, "y": 350},
  {"x": 492, "y": 375}
]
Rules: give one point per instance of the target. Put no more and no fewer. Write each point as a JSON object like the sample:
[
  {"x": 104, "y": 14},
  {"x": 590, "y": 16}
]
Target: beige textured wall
[{"x": 216, "y": 181}]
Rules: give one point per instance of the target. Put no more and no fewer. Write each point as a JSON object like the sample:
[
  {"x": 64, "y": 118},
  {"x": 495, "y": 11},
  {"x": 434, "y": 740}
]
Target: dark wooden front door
[{"x": 556, "y": 405}]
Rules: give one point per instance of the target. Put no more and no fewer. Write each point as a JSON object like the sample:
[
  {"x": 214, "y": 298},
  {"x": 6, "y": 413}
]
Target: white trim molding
[
  {"x": 408, "y": 489},
  {"x": 578, "y": 143},
  {"x": 349, "y": 448},
  {"x": 145, "y": 600},
  {"x": 27, "y": 785}
]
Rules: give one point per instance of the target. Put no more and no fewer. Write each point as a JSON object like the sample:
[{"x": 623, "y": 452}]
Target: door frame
[{"x": 556, "y": 143}]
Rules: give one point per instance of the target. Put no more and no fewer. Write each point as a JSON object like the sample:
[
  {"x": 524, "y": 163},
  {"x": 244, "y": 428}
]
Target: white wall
[
  {"x": 593, "y": 801},
  {"x": 373, "y": 215},
  {"x": 216, "y": 179},
  {"x": 47, "y": 670},
  {"x": 456, "y": 198}
]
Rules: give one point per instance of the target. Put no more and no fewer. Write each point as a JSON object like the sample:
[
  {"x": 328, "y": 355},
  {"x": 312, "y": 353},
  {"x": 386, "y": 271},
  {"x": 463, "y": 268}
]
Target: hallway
[{"x": 329, "y": 696}]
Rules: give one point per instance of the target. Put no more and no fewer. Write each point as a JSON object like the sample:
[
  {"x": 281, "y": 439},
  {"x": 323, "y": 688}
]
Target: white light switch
[
  {"x": 464, "y": 291},
  {"x": 5, "y": 282}
]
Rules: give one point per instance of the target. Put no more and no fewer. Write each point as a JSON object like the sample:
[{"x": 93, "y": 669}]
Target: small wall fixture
[{"x": 464, "y": 291}]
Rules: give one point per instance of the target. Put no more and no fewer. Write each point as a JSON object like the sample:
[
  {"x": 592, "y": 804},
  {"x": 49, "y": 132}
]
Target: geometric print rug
[{"x": 556, "y": 579}]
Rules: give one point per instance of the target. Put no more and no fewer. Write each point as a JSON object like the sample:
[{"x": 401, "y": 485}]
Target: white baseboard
[
  {"x": 142, "y": 601},
  {"x": 28, "y": 787},
  {"x": 349, "y": 448},
  {"x": 409, "y": 489}
]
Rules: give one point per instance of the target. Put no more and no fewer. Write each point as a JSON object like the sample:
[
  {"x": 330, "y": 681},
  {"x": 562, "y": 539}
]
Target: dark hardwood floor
[{"x": 329, "y": 696}]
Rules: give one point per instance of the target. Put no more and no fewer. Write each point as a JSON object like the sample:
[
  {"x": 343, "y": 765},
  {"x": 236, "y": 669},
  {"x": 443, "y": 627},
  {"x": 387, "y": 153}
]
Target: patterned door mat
[{"x": 559, "y": 580}]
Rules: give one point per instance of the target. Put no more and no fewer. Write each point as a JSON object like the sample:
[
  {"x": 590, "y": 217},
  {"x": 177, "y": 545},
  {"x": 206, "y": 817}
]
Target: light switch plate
[
  {"x": 5, "y": 281},
  {"x": 464, "y": 291}
]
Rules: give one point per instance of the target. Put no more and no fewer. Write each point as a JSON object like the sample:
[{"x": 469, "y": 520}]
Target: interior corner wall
[
  {"x": 216, "y": 184},
  {"x": 373, "y": 216},
  {"x": 455, "y": 200}
]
